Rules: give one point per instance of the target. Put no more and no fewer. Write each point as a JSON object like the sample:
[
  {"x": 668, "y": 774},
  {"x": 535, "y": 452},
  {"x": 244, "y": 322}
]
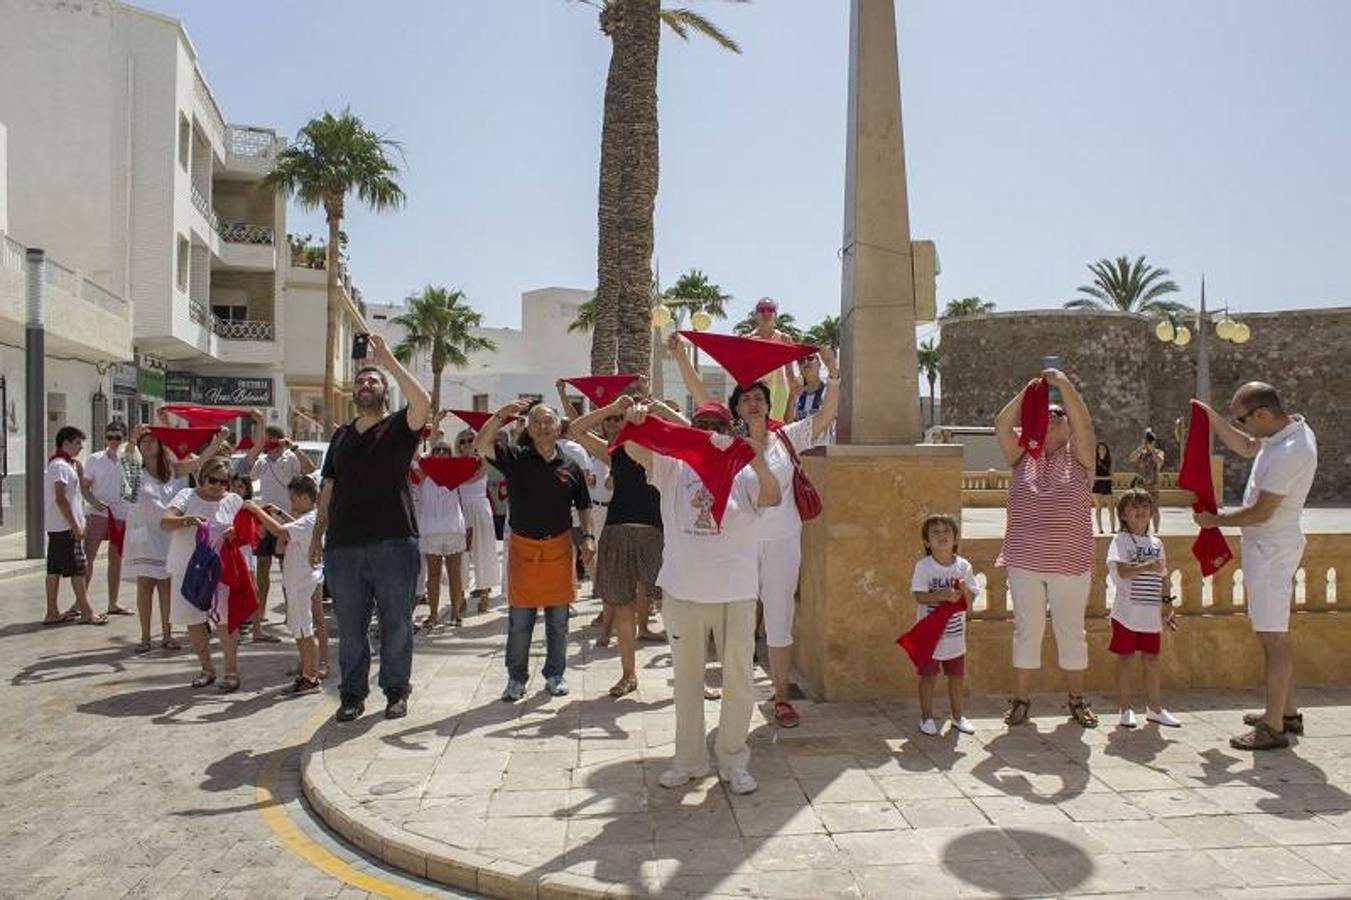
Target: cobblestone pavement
[
  {"x": 558, "y": 796},
  {"x": 118, "y": 780}
]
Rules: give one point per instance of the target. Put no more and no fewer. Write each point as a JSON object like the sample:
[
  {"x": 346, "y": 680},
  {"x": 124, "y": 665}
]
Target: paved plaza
[{"x": 121, "y": 781}]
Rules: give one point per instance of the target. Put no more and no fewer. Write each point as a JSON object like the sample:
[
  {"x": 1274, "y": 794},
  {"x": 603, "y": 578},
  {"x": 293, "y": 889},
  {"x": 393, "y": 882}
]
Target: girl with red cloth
[{"x": 941, "y": 576}]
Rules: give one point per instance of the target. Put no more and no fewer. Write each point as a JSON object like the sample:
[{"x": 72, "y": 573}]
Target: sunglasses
[
  {"x": 441, "y": 451},
  {"x": 1057, "y": 414},
  {"x": 223, "y": 482},
  {"x": 463, "y": 441},
  {"x": 1244, "y": 418},
  {"x": 614, "y": 418},
  {"x": 114, "y": 437}
]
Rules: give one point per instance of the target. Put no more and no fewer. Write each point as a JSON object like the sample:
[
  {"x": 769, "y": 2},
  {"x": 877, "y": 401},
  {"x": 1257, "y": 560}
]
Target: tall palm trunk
[
  {"x": 628, "y": 190},
  {"x": 933, "y": 410},
  {"x": 438, "y": 366},
  {"x": 333, "y": 209}
]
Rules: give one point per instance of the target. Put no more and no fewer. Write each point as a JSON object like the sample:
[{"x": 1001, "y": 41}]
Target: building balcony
[
  {"x": 83, "y": 319},
  {"x": 250, "y": 152},
  {"x": 247, "y": 341},
  {"x": 247, "y": 246}
]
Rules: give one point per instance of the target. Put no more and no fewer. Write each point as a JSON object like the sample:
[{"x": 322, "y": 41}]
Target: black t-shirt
[
  {"x": 540, "y": 494},
  {"x": 370, "y": 500},
  {"x": 635, "y": 502}
]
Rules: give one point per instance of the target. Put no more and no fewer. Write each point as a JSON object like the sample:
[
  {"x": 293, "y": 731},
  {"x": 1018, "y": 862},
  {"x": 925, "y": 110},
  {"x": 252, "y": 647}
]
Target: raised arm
[
  {"x": 485, "y": 442},
  {"x": 581, "y": 428},
  {"x": 1243, "y": 444},
  {"x": 675, "y": 345},
  {"x": 273, "y": 526},
  {"x": 1082, "y": 434},
  {"x": 184, "y": 467},
  {"x": 565, "y": 405},
  {"x": 830, "y": 404},
  {"x": 770, "y": 493},
  {"x": 419, "y": 401},
  {"x": 1006, "y": 425},
  {"x": 637, "y": 414},
  {"x": 259, "y": 438}
]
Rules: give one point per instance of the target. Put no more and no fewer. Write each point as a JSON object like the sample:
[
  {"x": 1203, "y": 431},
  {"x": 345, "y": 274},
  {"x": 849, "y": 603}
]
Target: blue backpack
[{"x": 203, "y": 572}]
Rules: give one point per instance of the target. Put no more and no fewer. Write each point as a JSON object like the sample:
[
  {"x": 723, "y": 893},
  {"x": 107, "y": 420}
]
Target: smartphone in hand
[{"x": 361, "y": 346}]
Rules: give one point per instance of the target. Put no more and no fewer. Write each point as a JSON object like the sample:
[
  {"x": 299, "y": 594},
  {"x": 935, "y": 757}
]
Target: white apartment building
[
  {"x": 123, "y": 166},
  {"x": 529, "y": 360}
]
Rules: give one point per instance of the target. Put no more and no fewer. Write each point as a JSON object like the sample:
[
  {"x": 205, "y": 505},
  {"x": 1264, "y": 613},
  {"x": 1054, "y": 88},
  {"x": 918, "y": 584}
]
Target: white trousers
[
  {"x": 1066, "y": 596},
  {"x": 733, "y": 626},
  {"x": 780, "y": 560}
]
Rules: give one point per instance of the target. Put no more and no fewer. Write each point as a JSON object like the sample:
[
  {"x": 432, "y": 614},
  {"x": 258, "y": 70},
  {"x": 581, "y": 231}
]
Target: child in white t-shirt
[
  {"x": 301, "y": 582},
  {"x": 1141, "y": 605},
  {"x": 941, "y": 576}
]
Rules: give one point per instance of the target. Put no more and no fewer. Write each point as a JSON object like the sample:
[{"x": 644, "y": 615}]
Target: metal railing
[
  {"x": 197, "y": 312},
  {"x": 243, "y": 329},
  {"x": 204, "y": 207},
  {"x": 215, "y": 119},
  {"x": 11, "y": 254},
  {"x": 246, "y": 140},
  {"x": 246, "y": 233}
]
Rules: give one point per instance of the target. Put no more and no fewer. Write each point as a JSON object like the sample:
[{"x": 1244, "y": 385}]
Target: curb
[
  {"x": 434, "y": 860},
  {"x": 22, "y": 568}
]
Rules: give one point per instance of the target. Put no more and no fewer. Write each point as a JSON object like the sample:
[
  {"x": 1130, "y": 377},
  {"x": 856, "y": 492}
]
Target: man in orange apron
[{"x": 543, "y": 487}]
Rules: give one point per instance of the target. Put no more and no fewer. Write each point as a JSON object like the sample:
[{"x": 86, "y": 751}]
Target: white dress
[
  {"x": 482, "y": 555},
  {"x": 220, "y": 517},
  {"x": 147, "y": 545}
]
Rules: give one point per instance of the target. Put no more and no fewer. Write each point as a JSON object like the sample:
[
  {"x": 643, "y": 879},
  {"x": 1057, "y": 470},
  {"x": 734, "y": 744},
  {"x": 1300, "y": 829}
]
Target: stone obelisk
[{"x": 877, "y": 306}]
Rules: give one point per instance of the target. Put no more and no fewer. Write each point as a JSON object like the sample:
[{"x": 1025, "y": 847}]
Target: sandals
[
  {"x": 785, "y": 715},
  {"x": 95, "y": 620},
  {"x": 652, "y": 637},
  {"x": 121, "y": 611},
  {"x": 321, "y": 671},
  {"x": 229, "y": 684},
  {"x": 204, "y": 678},
  {"x": 1080, "y": 712},
  {"x": 1018, "y": 711},
  {"x": 143, "y": 647},
  {"x": 263, "y": 637},
  {"x": 1260, "y": 738},
  {"x": 170, "y": 644},
  {"x": 624, "y": 686},
  {"x": 1292, "y": 724}
]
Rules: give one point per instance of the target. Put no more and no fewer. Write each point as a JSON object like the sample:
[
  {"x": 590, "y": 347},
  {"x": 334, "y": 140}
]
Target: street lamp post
[{"x": 1170, "y": 331}]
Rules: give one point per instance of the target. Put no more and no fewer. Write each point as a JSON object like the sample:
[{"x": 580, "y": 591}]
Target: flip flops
[{"x": 96, "y": 620}]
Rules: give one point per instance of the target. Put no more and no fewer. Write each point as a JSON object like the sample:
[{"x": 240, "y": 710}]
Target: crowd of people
[{"x": 647, "y": 504}]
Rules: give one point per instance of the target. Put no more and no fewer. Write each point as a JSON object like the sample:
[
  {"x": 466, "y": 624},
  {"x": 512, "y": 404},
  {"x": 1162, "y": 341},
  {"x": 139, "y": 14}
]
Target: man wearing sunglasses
[
  {"x": 105, "y": 487},
  {"x": 1285, "y": 456}
]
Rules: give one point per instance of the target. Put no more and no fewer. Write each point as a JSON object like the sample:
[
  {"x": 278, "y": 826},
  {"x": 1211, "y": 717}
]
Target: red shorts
[
  {"x": 1126, "y": 641},
  {"x": 953, "y": 668}
]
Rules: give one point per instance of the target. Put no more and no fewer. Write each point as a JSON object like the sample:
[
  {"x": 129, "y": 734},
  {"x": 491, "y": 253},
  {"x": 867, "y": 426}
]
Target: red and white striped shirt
[{"x": 1050, "y": 516}]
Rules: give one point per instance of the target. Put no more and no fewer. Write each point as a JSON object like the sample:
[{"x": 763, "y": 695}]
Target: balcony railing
[
  {"x": 63, "y": 278},
  {"x": 243, "y": 329},
  {"x": 245, "y": 140},
  {"x": 246, "y": 233},
  {"x": 204, "y": 207},
  {"x": 197, "y": 312}
]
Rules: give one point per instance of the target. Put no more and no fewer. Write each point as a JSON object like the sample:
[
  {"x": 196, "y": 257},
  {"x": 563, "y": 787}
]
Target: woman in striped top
[{"x": 1048, "y": 543}]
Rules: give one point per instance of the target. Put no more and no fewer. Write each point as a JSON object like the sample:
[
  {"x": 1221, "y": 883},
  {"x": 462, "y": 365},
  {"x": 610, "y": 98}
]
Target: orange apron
[{"x": 541, "y": 573}]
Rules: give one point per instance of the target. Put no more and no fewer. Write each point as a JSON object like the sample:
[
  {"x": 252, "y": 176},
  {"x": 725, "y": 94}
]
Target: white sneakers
[
  {"x": 963, "y": 724},
  {"x": 1157, "y": 716},
  {"x": 738, "y": 781},
  {"x": 1163, "y": 717},
  {"x": 928, "y": 726}
]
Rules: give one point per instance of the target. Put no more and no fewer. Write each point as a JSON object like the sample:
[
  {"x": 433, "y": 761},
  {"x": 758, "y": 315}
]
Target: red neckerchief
[
  {"x": 1210, "y": 548},
  {"x": 601, "y": 389},
  {"x": 921, "y": 641},
  {"x": 747, "y": 359},
  {"x": 715, "y": 467},
  {"x": 61, "y": 454},
  {"x": 449, "y": 471}
]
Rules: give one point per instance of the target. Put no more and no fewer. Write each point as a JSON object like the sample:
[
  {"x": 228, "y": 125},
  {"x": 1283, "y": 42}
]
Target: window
[
  {"x": 230, "y": 313},
  {"x": 183, "y": 248},
  {"x": 184, "y": 141},
  {"x": 480, "y": 403}
]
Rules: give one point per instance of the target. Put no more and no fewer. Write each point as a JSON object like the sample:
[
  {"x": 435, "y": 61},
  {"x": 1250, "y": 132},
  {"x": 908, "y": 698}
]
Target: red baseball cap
[{"x": 713, "y": 409}]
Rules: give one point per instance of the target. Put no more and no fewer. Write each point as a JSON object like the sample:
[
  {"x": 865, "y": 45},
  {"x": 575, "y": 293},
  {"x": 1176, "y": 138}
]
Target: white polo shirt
[
  {"x": 106, "y": 482},
  {"x": 1285, "y": 465}
]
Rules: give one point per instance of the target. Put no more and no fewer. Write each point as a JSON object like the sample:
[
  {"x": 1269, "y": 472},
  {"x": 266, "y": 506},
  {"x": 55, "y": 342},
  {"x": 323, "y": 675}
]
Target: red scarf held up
[
  {"x": 921, "y": 641},
  {"x": 1210, "y": 548},
  {"x": 1036, "y": 417},
  {"x": 183, "y": 441},
  {"x": 248, "y": 530},
  {"x": 448, "y": 471},
  {"x": 242, "y": 599},
  {"x": 601, "y": 390},
  {"x": 203, "y": 416},
  {"x": 748, "y": 359},
  {"x": 474, "y": 418},
  {"x": 715, "y": 467}
]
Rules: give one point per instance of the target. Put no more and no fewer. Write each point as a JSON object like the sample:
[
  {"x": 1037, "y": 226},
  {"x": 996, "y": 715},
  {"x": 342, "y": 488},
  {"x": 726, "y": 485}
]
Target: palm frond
[{"x": 682, "y": 21}]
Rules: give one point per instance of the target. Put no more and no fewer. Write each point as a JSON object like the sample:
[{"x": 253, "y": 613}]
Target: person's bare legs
[
  {"x": 1280, "y": 676},
  {"x": 167, "y": 628},
  {"x": 926, "y": 697},
  {"x": 229, "y": 645},
  {"x": 308, "y": 657},
  {"x": 781, "y": 664},
  {"x": 80, "y": 584},
  {"x": 643, "y": 616},
  {"x": 1022, "y": 682},
  {"x": 956, "y": 692},
  {"x": 145, "y": 607},
  {"x": 262, "y": 578},
  {"x": 53, "y": 590},
  {"x": 1123, "y": 682},
  {"x": 456, "y": 571},
  {"x": 201, "y": 645},
  {"x": 433, "y": 589},
  {"x": 1153, "y": 687},
  {"x": 627, "y": 633},
  {"x": 114, "y": 577},
  {"x": 320, "y": 631},
  {"x": 607, "y": 625}
]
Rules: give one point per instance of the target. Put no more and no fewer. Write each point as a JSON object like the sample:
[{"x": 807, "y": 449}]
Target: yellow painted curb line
[{"x": 265, "y": 794}]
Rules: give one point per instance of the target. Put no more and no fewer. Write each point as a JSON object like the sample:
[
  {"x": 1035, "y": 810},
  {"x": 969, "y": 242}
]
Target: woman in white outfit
[
  {"x": 156, "y": 478},
  {"x": 209, "y": 504},
  {"x": 480, "y": 535},
  {"x": 441, "y": 538},
  {"x": 780, "y": 527}
]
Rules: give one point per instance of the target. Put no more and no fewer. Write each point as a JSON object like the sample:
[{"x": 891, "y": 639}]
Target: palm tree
[
  {"x": 629, "y": 176},
  {"x": 928, "y": 364},
  {"x": 967, "y": 306},
  {"x": 784, "y": 322},
  {"x": 439, "y": 323},
  {"x": 1127, "y": 286},
  {"x": 332, "y": 157},
  {"x": 693, "y": 293},
  {"x": 825, "y": 333},
  {"x": 586, "y": 317}
]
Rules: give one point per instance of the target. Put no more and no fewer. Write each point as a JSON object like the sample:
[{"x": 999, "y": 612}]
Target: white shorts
[
  {"x": 1269, "y": 581},
  {"x": 779, "y": 561},
  {"x": 444, "y": 544},
  {"x": 299, "y": 611}
]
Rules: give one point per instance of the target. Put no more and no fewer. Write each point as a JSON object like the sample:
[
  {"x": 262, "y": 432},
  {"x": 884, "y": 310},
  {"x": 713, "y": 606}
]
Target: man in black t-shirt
[
  {"x": 366, "y": 533},
  {"x": 543, "y": 487}
]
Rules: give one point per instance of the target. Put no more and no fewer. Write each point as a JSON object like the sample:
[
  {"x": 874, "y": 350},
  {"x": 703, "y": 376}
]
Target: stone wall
[{"x": 1132, "y": 381}]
